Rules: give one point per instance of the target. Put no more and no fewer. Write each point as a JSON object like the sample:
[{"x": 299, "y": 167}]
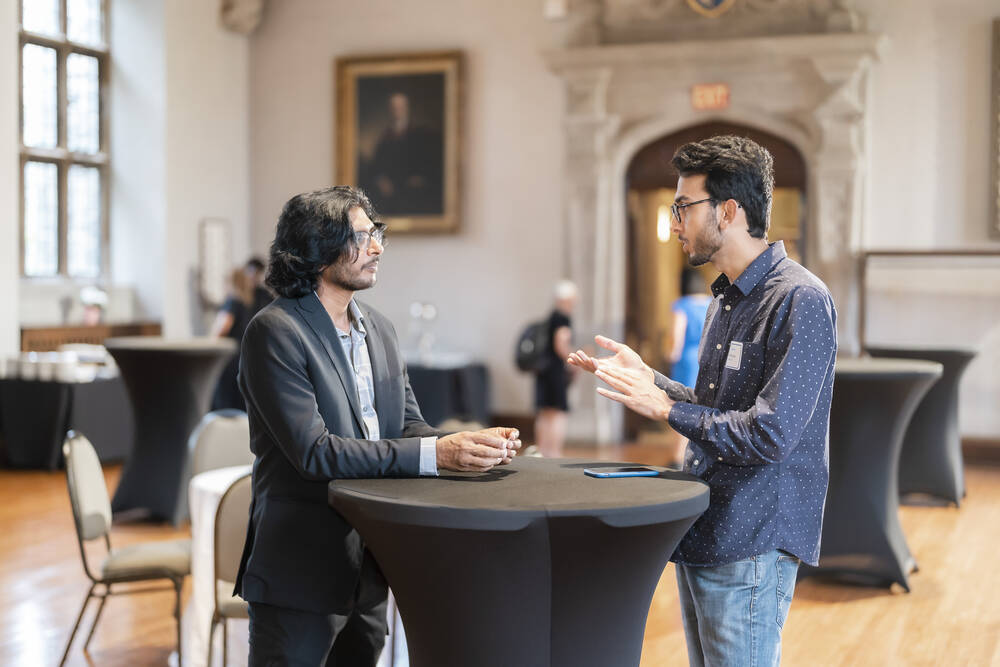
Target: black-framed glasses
[
  {"x": 675, "y": 208},
  {"x": 363, "y": 238}
]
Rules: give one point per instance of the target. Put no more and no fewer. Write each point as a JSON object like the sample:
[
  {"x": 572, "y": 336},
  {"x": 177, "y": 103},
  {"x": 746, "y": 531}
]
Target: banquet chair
[
  {"x": 148, "y": 561},
  {"x": 220, "y": 440},
  {"x": 229, "y": 534}
]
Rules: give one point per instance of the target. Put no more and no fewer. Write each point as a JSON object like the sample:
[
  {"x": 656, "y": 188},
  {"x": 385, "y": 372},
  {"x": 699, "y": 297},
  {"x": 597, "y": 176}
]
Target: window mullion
[{"x": 63, "y": 143}]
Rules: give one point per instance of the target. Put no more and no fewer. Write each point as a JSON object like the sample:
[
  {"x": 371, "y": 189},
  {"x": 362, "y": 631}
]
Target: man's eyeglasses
[
  {"x": 676, "y": 209},
  {"x": 363, "y": 239}
]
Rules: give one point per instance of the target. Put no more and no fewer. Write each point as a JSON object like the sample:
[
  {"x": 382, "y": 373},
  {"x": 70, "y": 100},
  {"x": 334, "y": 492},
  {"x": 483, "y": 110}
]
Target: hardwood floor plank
[{"x": 952, "y": 616}]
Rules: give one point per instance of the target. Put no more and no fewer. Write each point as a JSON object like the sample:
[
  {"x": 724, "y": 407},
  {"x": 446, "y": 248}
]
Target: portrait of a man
[
  {"x": 400, "y": 156},
  {"x": 398, "y": 136}
]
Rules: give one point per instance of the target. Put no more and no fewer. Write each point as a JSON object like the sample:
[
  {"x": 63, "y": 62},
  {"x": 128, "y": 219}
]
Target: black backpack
[{"x": 532, "y": 353}]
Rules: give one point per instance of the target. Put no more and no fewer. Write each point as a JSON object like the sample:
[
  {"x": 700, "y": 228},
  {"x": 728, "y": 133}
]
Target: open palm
[{"x": 623, "y": 357}]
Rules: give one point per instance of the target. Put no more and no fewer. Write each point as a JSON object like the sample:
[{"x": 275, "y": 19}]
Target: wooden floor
[{"x": 952, "y": 616}]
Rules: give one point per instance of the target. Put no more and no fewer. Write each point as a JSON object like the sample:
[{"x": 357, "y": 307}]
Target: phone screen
[{"x": 628, "y": 471}]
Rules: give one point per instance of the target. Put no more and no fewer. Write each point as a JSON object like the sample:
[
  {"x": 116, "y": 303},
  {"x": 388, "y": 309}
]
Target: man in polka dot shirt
[{"x": 757, "y": 419}]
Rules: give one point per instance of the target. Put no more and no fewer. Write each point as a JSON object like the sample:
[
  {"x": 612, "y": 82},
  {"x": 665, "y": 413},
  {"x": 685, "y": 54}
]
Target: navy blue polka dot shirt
[{"x": 758, "y": 417}]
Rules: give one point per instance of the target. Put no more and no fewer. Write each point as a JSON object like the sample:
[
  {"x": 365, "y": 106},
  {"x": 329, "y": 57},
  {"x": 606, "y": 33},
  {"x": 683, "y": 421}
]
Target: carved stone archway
[{"x": 811, "y": 89}]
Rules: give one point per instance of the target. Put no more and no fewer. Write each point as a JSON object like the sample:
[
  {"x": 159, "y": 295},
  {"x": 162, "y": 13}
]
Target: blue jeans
[{"x": 733, "y": 614}]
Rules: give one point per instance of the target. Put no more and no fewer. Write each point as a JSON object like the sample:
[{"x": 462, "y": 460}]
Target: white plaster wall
[
  {"x": 206, "y": 166},
  {"x": 930, "y": 132},
  {"x": 929, "y": 140},
  {"x": 944, "y": 302},
  {"x": 497, "y": 273},
  {"x": 9, "y": 180},
  {"x": 138, "y": 149}
]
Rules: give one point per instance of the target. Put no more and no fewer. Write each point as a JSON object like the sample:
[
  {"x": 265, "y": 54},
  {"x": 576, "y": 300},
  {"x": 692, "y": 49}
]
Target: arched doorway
[{"x": 655, "y": 260}]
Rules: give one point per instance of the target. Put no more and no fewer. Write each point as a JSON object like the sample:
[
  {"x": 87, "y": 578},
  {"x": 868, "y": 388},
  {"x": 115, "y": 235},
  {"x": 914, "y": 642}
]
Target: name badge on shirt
[{"x": 735, "y": 356}]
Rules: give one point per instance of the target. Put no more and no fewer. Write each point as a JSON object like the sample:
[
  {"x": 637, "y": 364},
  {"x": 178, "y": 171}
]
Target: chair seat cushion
[
  {"x": 229, "y": 605},
  {"x": 170, "y": 557}
]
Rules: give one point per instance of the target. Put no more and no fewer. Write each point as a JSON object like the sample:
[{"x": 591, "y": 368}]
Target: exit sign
[{"x": 709, "y": 96}]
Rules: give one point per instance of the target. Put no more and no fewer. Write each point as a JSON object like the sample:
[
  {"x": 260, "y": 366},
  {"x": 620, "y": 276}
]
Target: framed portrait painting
[{"x": 399, "y": 136}]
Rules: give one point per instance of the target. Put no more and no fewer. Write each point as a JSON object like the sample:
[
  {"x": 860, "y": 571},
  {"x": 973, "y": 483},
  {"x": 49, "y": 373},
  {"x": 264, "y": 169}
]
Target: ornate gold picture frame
[
  {"x": 995, "y": 127},
  {"x": 399, "y": 136}
]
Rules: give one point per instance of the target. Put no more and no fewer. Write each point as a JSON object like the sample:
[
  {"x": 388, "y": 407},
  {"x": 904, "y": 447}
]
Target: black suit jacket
[{"x": 305, "y": 430}]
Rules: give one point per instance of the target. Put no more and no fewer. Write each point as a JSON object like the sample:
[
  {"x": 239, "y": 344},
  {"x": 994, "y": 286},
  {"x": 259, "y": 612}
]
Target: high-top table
[
  {"x": 531, "y": 564},
  {"x": 35, "y": 415},
  {"x": 873, "y": 400},
  {"x": 931, "y": 461},
  {"x": 170, "y": 383}
]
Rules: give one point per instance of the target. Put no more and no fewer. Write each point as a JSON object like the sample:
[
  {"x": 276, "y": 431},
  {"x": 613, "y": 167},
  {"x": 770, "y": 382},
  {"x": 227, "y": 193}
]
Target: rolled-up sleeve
[{"x": 800, "y": 347}]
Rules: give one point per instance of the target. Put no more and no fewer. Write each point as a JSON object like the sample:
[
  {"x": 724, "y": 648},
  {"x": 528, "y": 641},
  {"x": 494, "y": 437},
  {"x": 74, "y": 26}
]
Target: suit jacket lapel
[
  {"x": 319, "y": 321},
  {"x": 380, "y": 365}
]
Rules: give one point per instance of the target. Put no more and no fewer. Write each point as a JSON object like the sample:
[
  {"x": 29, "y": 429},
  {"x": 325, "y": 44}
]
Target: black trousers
[{"x": 281, "y": 637}]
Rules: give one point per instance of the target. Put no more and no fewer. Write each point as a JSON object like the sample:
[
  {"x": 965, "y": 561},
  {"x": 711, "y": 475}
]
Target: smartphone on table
[{"x": 629, "y": 471}]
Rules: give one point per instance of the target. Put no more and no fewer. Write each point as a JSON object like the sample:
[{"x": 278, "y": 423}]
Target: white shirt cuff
[{"x": 428, "y": 457}]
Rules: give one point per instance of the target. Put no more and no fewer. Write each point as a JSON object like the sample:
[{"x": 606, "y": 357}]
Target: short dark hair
[
  {"x": 735, "y": 168},
  {"x": 314, "y": 231},
  {"x": 692, "y": 282},
  {"x": 255, "y": 263}
]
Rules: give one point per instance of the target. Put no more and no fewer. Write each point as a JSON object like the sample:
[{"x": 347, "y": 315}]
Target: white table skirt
[{"x": 204, "y": 493}]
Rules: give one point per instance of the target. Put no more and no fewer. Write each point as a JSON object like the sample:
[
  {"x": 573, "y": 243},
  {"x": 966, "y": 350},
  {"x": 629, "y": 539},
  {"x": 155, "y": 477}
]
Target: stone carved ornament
[
  {"x": 625, "y": 21},
  {"x": 241, "y": 16}
]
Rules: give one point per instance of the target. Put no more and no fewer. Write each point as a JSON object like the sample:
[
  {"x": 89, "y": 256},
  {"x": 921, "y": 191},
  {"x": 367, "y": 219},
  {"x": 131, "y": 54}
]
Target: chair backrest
[
  {"x": 88, "y": 494},
  {"x": 220, "y": 440},
  {"x": 231, "y": 528}
]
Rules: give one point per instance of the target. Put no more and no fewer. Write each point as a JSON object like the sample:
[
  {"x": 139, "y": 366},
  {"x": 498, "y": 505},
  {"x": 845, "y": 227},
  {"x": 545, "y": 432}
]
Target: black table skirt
[
  {"x": 170, "y": 384},
  {"x": 566, "y": 564},
  {"x": 931, "y": 460},
  {"x": 873, "y": 401},
  {"x": 462, "y": 392},
  {"x": 35, "y": 415}
]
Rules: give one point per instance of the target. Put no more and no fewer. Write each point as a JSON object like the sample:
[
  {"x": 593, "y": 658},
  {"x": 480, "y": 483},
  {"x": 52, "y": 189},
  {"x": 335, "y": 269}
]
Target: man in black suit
[{"x": 328, "y": 397}]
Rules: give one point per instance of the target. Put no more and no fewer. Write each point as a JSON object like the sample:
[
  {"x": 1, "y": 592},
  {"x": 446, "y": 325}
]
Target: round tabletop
[
  {"x": 161, "y": 344},
  {"x": 886, "y": 367},
  {"x": 510, "y": 497}
]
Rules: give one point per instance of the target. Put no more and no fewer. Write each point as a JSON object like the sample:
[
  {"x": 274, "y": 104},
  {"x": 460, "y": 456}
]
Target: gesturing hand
[
  {"x": 636, "y": 391},
  {"x": 624, "y": 358},
  {"x": 471, "y": 451}
]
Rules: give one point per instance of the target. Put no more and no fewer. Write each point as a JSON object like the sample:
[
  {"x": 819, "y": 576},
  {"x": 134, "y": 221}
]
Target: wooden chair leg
[
  {"x": 93, "y": 626},
  {"x": 225, "y": 642},
  {"x": 79, "y": 618}
]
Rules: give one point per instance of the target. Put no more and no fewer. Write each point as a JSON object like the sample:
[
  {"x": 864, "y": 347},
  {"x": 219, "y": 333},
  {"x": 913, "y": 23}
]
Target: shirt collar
[
  {"x": 355, "y": 316},
  {"x": 754, "y": 273}
]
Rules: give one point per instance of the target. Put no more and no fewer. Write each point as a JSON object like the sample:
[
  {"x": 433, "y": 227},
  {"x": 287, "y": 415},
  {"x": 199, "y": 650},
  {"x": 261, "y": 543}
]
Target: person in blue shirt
[
  {"x": 689, "y": 317},
  {"x": 757, "y": 419}
]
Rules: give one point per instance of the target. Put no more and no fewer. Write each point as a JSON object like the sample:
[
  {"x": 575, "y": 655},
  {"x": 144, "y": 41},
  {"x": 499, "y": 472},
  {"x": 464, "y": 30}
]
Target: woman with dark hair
[{"x": 231, "y": 321}]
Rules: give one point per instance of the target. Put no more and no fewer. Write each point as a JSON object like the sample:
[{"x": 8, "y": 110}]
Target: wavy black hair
[
  {"x": 314, "y": 231},
  {"x": 735, "y": 168}
]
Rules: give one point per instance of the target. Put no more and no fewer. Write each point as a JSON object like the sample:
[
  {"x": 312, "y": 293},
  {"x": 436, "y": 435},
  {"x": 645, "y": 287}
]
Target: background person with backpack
[{"x": 553, "y": 374}]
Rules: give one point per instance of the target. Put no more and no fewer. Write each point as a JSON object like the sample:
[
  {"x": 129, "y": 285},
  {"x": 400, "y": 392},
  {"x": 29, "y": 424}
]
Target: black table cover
[
  {"x": 35, "y": 415},
  {"x": 531, "y": 564},
  {"x": 873, "y": 400},
  {"x": 170, "y": 383},
  {"x": 931, "y": 461},
  {"x": 462, "y": 392}
]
